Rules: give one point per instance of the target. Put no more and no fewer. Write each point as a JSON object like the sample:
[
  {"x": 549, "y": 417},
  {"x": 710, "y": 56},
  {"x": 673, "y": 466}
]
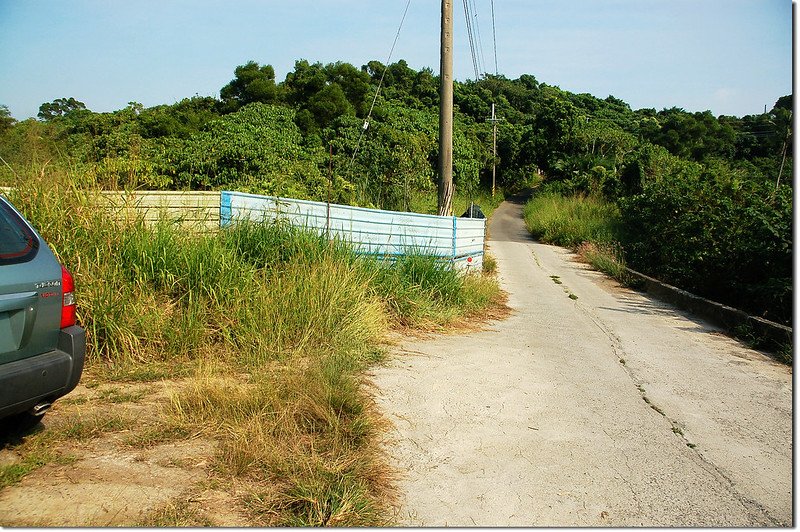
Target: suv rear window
[{"x": 17, "y": 242}]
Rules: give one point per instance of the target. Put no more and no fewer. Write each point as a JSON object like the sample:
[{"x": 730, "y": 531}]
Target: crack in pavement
[
  {"x": 560, "y": 397},
  {"x": 619, "y": 351}
]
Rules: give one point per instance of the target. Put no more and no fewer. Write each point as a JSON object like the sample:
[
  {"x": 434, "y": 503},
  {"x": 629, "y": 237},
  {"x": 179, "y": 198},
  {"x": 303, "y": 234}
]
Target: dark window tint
[{"x": 17, "y": 241}]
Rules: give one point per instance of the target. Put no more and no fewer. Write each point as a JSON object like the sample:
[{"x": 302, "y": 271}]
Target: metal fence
[
  {"x": 383, "y": 233},
  {"x": 193, "y": 210},
  {"x": 197, "y": 210},
  {"x": 387, "y": 234}
]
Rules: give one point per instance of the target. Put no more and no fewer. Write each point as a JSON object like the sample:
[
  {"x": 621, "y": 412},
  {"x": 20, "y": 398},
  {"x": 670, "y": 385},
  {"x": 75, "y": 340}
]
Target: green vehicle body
[{"x": 40, "y": 360}]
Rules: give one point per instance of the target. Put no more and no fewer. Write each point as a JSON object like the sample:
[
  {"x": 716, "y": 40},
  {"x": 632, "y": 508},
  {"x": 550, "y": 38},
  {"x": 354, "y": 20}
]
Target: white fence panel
[{"x": 372, "y": 231}]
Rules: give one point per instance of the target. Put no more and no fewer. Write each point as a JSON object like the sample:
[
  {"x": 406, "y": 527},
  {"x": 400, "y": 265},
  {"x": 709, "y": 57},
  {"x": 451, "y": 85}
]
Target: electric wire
[
  {"x": 479, "y": 41},
  {"x": 471, "y": 38},
  {"x": 380, "y": 82},
  {"x": 494, "y": 40}
]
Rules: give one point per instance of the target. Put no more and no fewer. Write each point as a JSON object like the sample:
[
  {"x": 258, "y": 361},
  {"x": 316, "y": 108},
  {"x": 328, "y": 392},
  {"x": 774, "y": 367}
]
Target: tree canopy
[
  {"x": 701, "y": 194},
  {"x": 60, "y": 107}
]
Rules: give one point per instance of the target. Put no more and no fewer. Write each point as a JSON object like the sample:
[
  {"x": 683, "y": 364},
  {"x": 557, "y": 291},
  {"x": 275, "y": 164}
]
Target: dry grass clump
[
  {"x": 304, "y": 434},
  {"x": 273, "y": 325},
  {"x": 606, "y": 257}
]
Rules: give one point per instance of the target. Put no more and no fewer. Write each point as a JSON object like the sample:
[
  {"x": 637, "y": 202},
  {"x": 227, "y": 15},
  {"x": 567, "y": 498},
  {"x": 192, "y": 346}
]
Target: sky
[{"x": 731, "y": 57}]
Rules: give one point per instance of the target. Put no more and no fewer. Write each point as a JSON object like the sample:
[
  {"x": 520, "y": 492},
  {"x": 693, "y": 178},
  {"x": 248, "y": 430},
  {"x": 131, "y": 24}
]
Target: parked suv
[{"x": 41, "y": 348}]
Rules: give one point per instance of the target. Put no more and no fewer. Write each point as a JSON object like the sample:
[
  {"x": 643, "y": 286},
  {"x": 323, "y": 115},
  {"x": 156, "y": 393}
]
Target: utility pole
[
  {"x": 494, "y": 120},
  {"x": 783, "y": 160},
  {"x": 446, "y": 112}
]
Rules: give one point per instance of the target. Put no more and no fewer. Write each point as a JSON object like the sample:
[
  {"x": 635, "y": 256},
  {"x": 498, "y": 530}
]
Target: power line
[
  {"x": 380, "y": 82},
  {"x": 494, "y": 40},
  {"x": 477, "y": 26},
  {"x": 471, "y": 38}
]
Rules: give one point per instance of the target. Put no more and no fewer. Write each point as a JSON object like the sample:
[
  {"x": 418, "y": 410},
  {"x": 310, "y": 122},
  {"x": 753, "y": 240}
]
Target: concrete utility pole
[
  {"x": 494, "y": 122},
  {"x": 446, "y": 112}
]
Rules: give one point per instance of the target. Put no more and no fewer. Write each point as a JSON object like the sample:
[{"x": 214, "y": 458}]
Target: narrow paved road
[{"x": 609, "y": 409}]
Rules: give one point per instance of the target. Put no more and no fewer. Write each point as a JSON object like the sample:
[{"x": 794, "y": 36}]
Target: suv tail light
[{"x": 68, "y": 299}]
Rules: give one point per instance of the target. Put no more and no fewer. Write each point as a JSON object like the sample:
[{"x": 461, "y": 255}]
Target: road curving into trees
[{"x": 590, "y": 405}]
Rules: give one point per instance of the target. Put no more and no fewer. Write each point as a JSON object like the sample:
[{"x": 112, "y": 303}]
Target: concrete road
[{"x": 609, "y": 409}]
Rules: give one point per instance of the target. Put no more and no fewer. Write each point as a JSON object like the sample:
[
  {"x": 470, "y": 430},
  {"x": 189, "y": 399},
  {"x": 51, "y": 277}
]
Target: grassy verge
[
  {"x": 271, "y": 325},
  {"x": 590, "y": 226},
  {"x": 587, "y": 225},
  {"x": 606, "y": 257},
  {"x": 570, "y": 221}
]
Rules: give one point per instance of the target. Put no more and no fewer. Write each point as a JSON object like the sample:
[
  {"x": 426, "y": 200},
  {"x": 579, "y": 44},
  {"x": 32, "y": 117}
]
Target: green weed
[
  {"x": 13, "y": 473},
  {"x": 273, "y": 323},
  {"x": 489, "y": 264},
  {"x": 606, "y": 257},
  {"x": 569, "y": 221}
]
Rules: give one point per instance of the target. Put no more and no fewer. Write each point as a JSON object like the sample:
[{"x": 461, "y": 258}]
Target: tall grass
[
  {"x": 587, "y": 224},
  {"x": 606, "y": 257},
  {"x": 569, "y": 221},
  {"x": 273, "y": 323}
]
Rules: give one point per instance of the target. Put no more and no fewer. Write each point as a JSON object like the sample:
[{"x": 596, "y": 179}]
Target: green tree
[
  {"x": 394, "y": 157},
  {"x": 6, "y": 120},
  {"x": 694, "y": 135},
  {"x": 323, "y": 93},
  {"x": 354, "y": 84},
  {"x": 258, "y": 148},
  {"x": 60, "y": 107},
  {"x": 303, "y": 82},
  {"x": 252, "y": 83}
]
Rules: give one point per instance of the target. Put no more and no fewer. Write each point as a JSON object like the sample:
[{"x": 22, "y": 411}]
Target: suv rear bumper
[{"x": 43, "y": 378}]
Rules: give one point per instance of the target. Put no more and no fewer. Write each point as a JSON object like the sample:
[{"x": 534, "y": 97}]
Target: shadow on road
[
  {"x": 506, "y": 224},
  {"x": 521, "y": 197},
  {"x": 14, "y": 429}
]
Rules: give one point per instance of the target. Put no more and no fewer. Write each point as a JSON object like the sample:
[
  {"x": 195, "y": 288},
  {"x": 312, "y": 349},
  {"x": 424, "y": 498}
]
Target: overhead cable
[
  {"x": 380, "y": 82},
  {"x": 471, "y": 38},
  {"x": 477, "y": 26},
  {"x": 494, "y": 40}
]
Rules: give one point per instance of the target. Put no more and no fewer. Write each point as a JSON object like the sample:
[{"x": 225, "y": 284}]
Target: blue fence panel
[{"x": 372, "y": 231}]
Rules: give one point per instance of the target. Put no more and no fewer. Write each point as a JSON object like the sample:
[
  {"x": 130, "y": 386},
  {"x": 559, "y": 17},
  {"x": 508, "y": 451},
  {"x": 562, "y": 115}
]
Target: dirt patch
[{"x": 104, "y": 466}]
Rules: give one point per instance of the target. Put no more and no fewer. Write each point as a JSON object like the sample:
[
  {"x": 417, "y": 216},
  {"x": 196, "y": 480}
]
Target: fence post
[
  {"x": 225, "y": 214},
  {"x": 455, "y": 234}
]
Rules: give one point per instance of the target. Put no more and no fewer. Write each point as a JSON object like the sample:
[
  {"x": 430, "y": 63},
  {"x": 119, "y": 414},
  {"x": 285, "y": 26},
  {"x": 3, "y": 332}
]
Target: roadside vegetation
[
  {"x": 698, "y": 201},
  {"x": 570, "y": 221},
  {"x": 271, "y": 326},
  {"x": 601, "y": 233},
  {"x": 588, "y": 225},
  {"x": 704, "y": 201}
]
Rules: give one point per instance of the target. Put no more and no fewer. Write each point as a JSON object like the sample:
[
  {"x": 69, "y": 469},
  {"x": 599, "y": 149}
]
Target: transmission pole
[
  {"x": 494, "y": 120},
  {"x": 446, "y": 112}
]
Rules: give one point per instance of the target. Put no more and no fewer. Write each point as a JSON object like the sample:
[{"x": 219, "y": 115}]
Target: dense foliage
[
  {"x": 273, "y": 323},
  {"x": 705, "y": 200}
]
